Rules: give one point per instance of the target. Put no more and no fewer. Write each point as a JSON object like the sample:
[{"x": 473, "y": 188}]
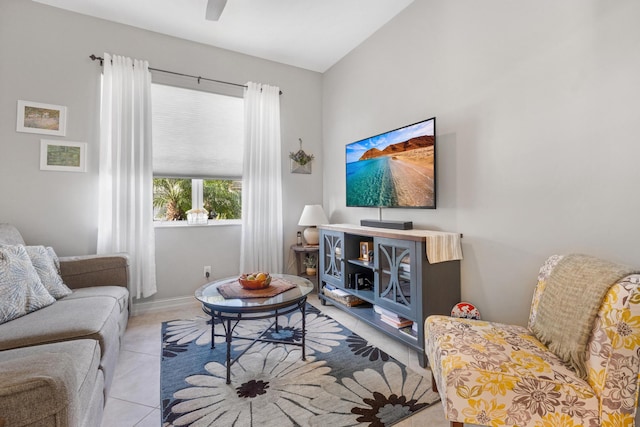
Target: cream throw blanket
[
  {"x": 442, "y": 246},
  {"x": 570, "y": 302}
]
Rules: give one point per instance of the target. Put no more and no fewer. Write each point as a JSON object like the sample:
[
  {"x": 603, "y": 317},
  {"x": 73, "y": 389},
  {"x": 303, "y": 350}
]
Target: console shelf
[{"x": 398, "y": 278}]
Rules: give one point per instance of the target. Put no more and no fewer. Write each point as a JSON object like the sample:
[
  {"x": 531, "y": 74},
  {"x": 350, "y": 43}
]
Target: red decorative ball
[{"x": 465, "y": 310}]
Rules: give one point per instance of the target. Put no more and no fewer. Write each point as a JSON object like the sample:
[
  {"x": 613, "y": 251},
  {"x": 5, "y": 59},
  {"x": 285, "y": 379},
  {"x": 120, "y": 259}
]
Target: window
[
  {"x": 173, "y": 198},
  {"x": 197, "y": 153}
]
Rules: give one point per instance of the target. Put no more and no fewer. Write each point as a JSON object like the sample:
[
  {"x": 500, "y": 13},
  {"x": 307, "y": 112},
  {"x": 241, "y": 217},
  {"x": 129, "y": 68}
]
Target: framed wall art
[
  {"x": 47, "y": 119},
  {"x": 63, "y": 156}
]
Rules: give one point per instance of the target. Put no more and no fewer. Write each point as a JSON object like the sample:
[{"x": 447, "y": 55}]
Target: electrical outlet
[{"x": 207, "y": 271}]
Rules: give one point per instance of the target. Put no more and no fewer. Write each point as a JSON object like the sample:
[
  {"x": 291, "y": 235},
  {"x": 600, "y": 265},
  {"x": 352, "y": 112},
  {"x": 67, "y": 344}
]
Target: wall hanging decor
[
  {"x": 63, "y": 156},
  {"x": 35, "y": 117},
  {"x": 300, "y": 161}
]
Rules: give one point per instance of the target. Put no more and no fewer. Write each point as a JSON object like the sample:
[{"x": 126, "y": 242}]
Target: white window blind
[{"x": 196, "y": 134}]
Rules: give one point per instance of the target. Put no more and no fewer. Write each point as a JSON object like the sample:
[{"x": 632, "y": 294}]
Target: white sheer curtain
[
  {"x": 125, "y": 218},
  {"x": 262, "y": 241}
]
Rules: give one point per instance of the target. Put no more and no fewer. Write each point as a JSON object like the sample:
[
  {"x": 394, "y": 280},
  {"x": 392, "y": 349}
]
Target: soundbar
[{"x": 396, "y": 225}]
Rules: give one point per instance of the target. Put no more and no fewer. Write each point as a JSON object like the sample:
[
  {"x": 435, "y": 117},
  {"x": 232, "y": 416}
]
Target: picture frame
[
  {"x": 63, "y": 156},
  {"x": 365, "y": 250},
  {"x": 46, "y": 119}
]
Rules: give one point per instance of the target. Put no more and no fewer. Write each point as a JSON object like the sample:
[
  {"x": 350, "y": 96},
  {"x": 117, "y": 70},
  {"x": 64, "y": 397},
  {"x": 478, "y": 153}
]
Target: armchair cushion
[{"x": 495, "y": 374}]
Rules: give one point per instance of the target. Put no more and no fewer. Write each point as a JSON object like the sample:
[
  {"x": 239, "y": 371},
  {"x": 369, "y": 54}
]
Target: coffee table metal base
[{"x": 229, "y": 322}]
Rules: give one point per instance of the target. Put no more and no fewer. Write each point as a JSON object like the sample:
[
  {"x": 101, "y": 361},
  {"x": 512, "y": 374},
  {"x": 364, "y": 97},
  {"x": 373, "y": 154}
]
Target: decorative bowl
[{"x": 253, "y": 281}]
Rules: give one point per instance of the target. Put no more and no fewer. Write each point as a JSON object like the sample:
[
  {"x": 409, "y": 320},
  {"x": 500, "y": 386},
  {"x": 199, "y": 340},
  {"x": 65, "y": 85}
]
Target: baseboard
[{"x": 160, "y": 305}]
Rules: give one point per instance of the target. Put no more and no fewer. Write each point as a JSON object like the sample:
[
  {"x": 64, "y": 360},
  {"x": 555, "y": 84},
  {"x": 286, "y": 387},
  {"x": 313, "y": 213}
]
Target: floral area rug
[{"x": 345, "y": 381}]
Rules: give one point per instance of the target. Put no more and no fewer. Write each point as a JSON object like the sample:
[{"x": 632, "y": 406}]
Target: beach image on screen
[{"x": 394, "y": 169}]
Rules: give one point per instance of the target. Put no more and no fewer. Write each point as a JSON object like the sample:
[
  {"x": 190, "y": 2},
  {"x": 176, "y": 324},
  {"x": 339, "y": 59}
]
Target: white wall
[
  {"x": 44, "y": 57},
  {"x": 537, "y": 108},
  {"x": 538, "y": 117}
]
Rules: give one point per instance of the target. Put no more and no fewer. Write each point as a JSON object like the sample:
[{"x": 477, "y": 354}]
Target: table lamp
[{"x": 312, "y": 216}]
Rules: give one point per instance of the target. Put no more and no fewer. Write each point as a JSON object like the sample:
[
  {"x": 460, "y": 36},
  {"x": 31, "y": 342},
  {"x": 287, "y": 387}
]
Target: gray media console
[{"x": 377, "y": 270}]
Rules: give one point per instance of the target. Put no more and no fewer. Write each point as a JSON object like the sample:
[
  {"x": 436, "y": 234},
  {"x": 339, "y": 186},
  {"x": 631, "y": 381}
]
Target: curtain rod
[{"x": 99, "y": 58}]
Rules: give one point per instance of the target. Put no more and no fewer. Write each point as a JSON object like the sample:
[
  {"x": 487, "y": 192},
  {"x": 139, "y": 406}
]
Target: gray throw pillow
[
  {"x": 21, "y": 290},
  {"x": 44, "y": 261},
  {"x": 54, "y": 257}
]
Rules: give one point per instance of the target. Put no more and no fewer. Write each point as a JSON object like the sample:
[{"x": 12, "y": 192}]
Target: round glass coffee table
[{"x": 230, "y": 311}]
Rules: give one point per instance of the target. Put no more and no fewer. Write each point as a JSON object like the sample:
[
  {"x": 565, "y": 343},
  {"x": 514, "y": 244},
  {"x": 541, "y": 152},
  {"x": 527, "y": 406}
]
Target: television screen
[{"x": 395, "y": 169}]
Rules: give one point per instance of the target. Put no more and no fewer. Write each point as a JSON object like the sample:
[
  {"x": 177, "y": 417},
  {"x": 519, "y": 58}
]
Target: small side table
[{"x": 302, "y": 251}]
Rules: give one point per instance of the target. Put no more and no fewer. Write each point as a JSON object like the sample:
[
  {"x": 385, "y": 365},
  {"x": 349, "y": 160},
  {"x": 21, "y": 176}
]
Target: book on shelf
[
  {"x": 396, "y": 323},
  {"x": 390, "y": 314}
]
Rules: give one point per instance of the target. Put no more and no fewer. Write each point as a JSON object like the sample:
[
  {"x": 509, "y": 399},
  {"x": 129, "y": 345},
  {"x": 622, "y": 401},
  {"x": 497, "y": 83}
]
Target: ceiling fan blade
[{"x": 214, "y": 9}]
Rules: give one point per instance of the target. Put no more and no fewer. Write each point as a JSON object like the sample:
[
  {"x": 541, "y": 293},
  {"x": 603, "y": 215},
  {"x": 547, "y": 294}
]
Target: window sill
[{"x": 210, "y": 223}]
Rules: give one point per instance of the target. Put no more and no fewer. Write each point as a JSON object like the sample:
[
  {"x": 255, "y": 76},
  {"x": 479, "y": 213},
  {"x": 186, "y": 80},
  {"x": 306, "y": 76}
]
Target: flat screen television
[{"x": 396, "y": 169}]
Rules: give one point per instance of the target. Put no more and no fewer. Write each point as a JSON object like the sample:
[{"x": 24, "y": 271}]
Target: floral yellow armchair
[{"x": 500, "y": 375}]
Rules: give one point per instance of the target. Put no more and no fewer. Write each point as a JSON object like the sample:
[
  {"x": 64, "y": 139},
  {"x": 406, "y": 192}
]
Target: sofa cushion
[
  {"x": 21, "y": 290},
  {"x": 64, "y": 320},
  {"x": 118, "y": 293},
  {"x": 43, "y": 260},
  {"x": 60, "y": 380},
  {"x": 97, "y": 318},
  {"x": 95, "y": 270}
]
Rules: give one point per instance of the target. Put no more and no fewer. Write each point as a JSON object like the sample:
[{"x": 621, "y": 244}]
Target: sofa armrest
[
  {"x": 37, "y": 381},
  {"x": 95, "y": 270}
]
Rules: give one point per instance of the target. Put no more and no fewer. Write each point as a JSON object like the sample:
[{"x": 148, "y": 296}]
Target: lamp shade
[{"x": 313, "y": 215}]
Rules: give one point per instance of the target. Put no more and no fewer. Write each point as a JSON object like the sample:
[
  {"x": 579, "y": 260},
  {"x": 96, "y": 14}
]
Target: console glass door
[
  {"x": 332, "y": 265},
  {"x": 396, "y": 278}
]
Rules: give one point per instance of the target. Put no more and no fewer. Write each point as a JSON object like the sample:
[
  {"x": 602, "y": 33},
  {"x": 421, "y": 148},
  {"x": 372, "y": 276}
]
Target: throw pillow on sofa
[
  {"x": 43, "y": 259},
  {"x": 54, "y": 257},
  {"x": 21, "y": 290}
]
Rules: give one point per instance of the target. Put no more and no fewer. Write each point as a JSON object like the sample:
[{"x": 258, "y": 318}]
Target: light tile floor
[{"x": 134, "y": 398}]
